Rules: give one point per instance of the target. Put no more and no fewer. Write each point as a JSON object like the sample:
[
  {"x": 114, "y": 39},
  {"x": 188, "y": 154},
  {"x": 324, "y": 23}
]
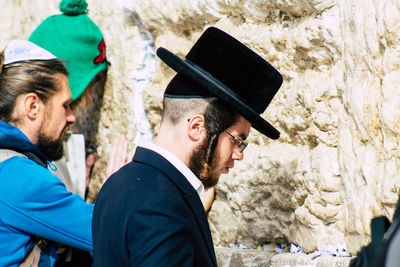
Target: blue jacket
[
  {"x": 34, "y": 201},
  {"x": 148, "y": 214}
]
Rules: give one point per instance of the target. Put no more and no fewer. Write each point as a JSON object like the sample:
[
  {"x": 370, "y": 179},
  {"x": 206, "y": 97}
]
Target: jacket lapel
[{"x": 157, "y": 161}]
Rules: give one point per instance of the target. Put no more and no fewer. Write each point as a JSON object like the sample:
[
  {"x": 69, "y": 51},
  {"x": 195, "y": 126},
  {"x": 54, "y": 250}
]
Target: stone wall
[
  {"x": 335, "y": 165},
  {"x": 235, "y": 257}
]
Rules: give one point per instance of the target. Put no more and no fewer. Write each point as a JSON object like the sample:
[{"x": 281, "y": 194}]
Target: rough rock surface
[
  {"x": 336, "y": 164},
  {"x": 234, "y": 257}
]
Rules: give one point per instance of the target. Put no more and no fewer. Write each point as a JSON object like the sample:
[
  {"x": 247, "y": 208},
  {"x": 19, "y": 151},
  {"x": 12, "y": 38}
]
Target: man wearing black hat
[{"x": 149, "y": 212}]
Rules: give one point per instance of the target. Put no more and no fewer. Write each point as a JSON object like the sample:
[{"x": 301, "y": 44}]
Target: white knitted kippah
[{"x": 21, "y": 50}]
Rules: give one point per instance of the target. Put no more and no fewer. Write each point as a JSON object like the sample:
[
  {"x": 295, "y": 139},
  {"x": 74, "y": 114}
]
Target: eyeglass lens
[{"x": 241, "y": 144}]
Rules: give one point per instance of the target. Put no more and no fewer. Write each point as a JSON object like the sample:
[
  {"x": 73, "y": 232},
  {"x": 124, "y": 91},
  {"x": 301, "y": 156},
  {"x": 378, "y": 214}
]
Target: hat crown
[{"x": 236, "y": 66}]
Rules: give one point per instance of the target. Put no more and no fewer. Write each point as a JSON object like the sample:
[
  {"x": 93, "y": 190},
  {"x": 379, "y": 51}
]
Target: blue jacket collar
[{"x": 14, "y": 139}]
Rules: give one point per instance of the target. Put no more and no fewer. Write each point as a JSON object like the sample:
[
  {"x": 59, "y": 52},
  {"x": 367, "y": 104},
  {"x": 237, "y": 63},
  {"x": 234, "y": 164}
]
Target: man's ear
[
  {"x": 196, "y": 128},
  {"x": 32, "y": 105}
]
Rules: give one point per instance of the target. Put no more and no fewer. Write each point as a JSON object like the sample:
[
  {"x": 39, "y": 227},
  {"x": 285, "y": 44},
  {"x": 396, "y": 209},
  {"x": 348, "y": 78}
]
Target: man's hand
[
  {"x": 207, "y": 198},
  {"x": 90, "y": 159},
  {"x": 119, "y": 156}
]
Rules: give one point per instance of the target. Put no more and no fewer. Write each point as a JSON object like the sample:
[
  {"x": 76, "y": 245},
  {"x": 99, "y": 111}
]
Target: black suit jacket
[{"x": 148, "y": 214}]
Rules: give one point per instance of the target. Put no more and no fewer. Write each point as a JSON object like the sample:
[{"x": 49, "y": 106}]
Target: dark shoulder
[
  {"x": 137, "y": 173},
  {"x": 136, "y": 180}
]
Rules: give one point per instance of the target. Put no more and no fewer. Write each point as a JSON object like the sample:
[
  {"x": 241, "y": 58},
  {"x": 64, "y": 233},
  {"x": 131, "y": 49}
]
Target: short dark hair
[
  {"x": 34, "y": 76},
  {"x": 218, "y": 116}
]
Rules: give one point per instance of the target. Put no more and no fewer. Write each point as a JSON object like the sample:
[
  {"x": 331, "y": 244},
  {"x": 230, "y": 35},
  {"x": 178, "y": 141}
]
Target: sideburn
[
  {"x": 196, "y": 162},
  {"x": 201, "y": 161},
  {"x": 209, "y": 155}
]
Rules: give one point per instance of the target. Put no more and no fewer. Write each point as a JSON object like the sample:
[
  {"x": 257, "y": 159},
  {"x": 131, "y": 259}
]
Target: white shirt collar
[{"x": 174, "y": 160}]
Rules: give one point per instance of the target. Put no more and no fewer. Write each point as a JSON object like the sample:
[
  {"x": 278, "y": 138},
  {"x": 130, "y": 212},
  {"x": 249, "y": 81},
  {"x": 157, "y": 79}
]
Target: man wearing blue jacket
[
  {"x": 37, "y": 213},
  {"x": 149, "y": 212}
]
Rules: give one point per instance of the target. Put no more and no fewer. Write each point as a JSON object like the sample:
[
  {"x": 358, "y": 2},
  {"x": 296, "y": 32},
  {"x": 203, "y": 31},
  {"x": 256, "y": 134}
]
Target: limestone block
[
  {"x": 19, "y": 18},
  {"x": 290, "y": 259},
  {"x": 235, "y": 257},
  {"x": 364, "y": 163}
]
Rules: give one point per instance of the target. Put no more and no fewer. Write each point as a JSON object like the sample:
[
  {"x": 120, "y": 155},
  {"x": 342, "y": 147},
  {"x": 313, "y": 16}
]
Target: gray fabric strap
[{"x": 8, "y": 153}]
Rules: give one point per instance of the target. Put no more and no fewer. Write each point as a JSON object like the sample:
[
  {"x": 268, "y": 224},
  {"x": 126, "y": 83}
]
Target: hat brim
[{"x": 217, "y": 88}]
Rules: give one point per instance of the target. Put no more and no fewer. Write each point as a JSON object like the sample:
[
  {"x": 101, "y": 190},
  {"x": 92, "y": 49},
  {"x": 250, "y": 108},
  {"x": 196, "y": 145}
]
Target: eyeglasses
[{"x": 241, "y": 144}]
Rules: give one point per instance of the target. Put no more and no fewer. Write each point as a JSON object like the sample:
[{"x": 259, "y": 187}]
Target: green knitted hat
[{"x": 74, "y": 38}]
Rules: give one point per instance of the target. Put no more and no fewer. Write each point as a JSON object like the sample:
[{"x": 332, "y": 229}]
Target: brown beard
[
  {"x": 54, "y": 149},
  {"x": 51, "y": 148},
  {"x": 198, "y": 166}
]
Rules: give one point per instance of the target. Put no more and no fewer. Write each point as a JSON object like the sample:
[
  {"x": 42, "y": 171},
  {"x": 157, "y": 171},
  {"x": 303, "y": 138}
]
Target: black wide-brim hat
[{"x": 219, "y": 65}]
